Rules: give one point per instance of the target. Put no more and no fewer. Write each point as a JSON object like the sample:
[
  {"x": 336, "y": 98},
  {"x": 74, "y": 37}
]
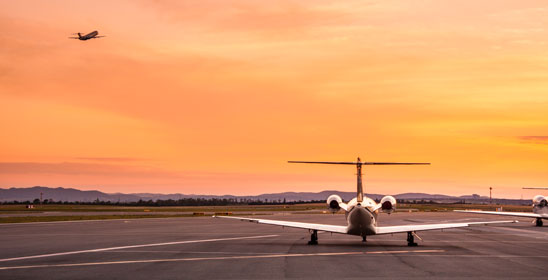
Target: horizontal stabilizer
[
  {"x": 359, "y": 164},
  {"x": 362, "y": 163}
]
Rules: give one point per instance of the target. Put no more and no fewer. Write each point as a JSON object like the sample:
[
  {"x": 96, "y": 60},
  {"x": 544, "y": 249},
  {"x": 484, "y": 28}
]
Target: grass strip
[
  {"x": 104, "y": 208},
  {"x": 35, "y": 219}
]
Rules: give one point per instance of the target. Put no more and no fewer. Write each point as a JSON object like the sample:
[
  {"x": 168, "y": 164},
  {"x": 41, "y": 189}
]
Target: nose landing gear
[{"x": 538, "y": 222}]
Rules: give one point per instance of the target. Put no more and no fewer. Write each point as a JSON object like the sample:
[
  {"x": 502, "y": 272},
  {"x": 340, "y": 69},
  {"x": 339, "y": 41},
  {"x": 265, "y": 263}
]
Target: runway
[{"x": 207, "y": 248}]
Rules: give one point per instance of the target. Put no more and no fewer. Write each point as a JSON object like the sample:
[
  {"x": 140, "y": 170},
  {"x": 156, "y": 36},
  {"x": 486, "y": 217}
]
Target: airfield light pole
[{"x": 490, "y": 197}]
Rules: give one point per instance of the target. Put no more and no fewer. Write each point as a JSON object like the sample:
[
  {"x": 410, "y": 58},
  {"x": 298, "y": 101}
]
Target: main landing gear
[
  {"x": 411, "y": 239},
  {"x": 364, "y": 239},
  {"x": 313, "y": 238},
  {"x": 539, "y": 222}
]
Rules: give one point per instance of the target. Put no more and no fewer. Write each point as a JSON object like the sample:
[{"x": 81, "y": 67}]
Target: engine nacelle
[
  {"x": 539, "y": 201},
  {"x": 388, "y": 204},
  {"x": 333, "y": 202}
]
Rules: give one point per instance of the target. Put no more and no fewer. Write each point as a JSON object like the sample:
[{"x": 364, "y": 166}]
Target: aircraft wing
[
  {"x": 515, "y": 214},
  {"x": 320, "y": 227},
  {"x": 408, "y": 228}
]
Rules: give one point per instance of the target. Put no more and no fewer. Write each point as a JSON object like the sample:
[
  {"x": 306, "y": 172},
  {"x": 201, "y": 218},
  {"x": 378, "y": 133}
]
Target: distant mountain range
[{"x": 69, "y": 194}]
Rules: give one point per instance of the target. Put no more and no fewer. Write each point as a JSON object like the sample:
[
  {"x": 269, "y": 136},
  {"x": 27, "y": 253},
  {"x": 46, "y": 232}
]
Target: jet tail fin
[{"x": 359, "y": 163}]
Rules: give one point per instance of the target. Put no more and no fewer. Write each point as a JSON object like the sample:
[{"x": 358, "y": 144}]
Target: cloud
[
  {"x": 110, "y": 159},
  {"x": 245, "y": 15},
  {"x": 76, "y": 168},
  {"x": 126, "y": 170},
  {"x": 534, "y": 139},
  {"x": 128, "y": 178}
]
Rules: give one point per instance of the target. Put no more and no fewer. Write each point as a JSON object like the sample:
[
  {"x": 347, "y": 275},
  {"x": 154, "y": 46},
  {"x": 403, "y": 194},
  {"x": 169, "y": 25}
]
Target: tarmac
[{"x": 209, "y": 248}]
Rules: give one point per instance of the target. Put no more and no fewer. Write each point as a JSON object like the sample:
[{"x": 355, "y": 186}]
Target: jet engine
[
  {"x": 539, "y": 201},
  {"x": 333, "y": 202},
  {"x": 388, "y": 204}
]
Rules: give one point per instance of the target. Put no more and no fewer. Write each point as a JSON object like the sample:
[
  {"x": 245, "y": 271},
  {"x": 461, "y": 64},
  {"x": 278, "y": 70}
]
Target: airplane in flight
[
  {"x": 361, "y": 213},
  {"x": 540, "y": 209},
  {"x": 92, "y": 35}
]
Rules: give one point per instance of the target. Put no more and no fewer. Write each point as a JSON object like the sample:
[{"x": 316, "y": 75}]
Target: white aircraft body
[
  {"x": 540, "y": 210},
  {"x": 361, "y": 213},
  {"x": 91, "y": 35}
]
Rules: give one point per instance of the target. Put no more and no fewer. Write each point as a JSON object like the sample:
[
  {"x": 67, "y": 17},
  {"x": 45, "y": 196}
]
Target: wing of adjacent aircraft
[
  {"x": 408, "y": 228},
  {"x": 320, "y": 227},
  {"x": 343, "y": 229},
  {"x": 515, "y": 214}
]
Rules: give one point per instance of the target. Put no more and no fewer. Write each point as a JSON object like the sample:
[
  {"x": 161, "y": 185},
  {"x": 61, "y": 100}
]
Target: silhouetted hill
[
  {"x": 72, "y": 195},
  {"x": 288, "y": 196},
  {"x": 61, "y": 194},
  {"x": 422, "y": 196}
]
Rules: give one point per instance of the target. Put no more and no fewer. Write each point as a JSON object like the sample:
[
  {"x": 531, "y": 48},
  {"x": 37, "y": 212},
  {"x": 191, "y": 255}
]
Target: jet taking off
[
  {"x": 361, "y": 212},
  {"x": 540, "y": 209},
  {"x": 92, "y": 35}
]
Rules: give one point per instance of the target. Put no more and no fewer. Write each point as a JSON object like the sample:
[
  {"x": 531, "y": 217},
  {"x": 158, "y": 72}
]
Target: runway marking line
[
  {"x": 402, "y": 252},
  {"x": 215, "y": 258},
  {"x": 85, "y": 221},
  {"x": 528, "y": 232},
  {"x": 135, "y": 246},
  {"x": 198, "y": 252}
]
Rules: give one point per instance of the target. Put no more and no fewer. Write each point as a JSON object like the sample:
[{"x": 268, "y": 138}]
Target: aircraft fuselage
[
  {"x": 88, "y": 36},
  {"x": 361, "y": 218}
]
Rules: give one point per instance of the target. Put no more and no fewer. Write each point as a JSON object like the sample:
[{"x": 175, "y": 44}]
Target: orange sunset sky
[{"x": 213, "y": 97}]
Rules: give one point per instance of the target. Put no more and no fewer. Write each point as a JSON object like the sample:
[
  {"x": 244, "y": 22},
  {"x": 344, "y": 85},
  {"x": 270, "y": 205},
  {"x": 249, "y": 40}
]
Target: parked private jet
[
  {"x": 540, "y": 209},
  {"x": 361, "y": 213},
  {"x": 92, "y": 35}
]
